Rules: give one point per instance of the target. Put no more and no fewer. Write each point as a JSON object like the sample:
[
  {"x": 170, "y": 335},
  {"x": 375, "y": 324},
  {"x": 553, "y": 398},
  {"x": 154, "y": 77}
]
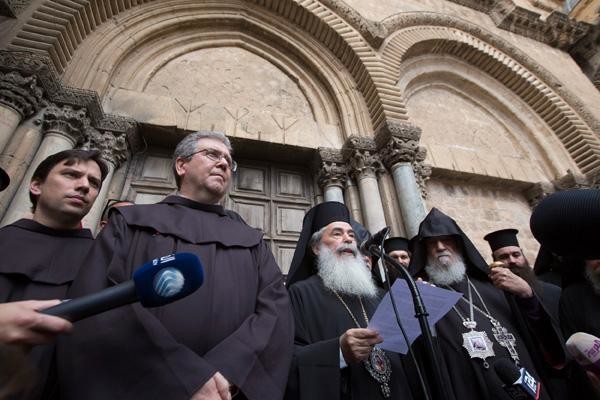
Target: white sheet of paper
[{"x": 437, "y": 301}]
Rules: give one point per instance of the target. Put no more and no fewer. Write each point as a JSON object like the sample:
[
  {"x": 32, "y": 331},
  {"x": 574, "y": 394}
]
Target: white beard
[
  {"x": 345, "y": 274},
  {"x": 446, "y": 273},
  {"x": 593, "y": 277}
]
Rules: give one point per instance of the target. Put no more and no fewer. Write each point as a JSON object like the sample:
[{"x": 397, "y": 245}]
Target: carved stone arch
[
  {"x": 443, "y": 35},
  {"x": 58, "y": 28}
]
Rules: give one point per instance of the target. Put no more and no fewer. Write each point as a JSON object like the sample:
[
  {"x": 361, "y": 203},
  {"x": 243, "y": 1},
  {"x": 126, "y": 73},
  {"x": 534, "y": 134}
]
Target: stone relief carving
[
  {"x": 399, "y": 142},
  {"x": 31, "y": 64},
  {"x": 360, "y": 153},
  {"x": 67, "y": 121},
  {"x": 537, "y": 192},
  {"x": 570, "y": 180},
  {"x": 112, "y": 146},
  {"x": 331, "y": 169},
  {"x": 21, "y": 93},
  {"x": 12, "y": 8}
]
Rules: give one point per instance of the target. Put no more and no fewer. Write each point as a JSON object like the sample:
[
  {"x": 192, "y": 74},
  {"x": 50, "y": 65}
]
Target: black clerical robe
[
  {"x": 580, "y": 312},
  {"x": 469, "y": 378},
  {"x": 320, "y": 320},
  {"x": 238, "y": 323},
  {"x": 39, "y": 263}
]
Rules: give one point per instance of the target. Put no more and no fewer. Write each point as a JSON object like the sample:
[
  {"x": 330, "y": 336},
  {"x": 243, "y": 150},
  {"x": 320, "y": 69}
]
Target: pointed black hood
[{"x": 436, "y": 223}]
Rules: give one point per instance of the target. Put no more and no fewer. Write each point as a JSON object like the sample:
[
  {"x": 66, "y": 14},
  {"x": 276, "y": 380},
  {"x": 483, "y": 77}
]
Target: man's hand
[
  {"x": 21, "y": 324},
  {"x": 594, "y": 379},
  {"x": 357, "y": 344},
  {"x": 217, "y": 388},
  {"x": 505, "y": 279}
]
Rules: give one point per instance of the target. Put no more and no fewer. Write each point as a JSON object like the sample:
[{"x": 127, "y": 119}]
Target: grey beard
[
  {"x": 345, "y": 274},
  {"x": 593, "y": 277},
  {"x": 446, "y": 274}
]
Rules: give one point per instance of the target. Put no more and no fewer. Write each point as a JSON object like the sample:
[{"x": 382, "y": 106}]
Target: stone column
[
  {"x": 113, "y": 148},
  {"x": 20, "y": 98},
  {"x": 398, "y": 144},
  {"x": 364, "y": 165},
  {"x": 63, "y": 128},
  {"x": 332, "y": 174}
]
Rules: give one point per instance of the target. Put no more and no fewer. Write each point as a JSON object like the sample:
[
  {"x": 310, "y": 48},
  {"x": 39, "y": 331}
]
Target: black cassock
[
  {"x": 238, "y": 323},
  {"x": 39, "y": 263},
  {"x": 580, "y": 312},
  {"x": 470, "y": 379},
  {"x": 320, "y": 320}
]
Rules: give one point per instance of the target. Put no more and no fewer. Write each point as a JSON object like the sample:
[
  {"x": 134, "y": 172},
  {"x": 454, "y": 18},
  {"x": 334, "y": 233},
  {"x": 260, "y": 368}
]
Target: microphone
[
  {"x": 376, "y": 239},
  {"x": 585, "y": 348},
  {"x": 519, "y": 384},
  {"x": 156, "y": 283}
]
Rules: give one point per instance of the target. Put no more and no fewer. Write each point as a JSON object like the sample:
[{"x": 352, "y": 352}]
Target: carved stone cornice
[
  {"x": 29, "y": 64},
  {"x": 12, "y": 8},
  {"x": 21, "y": 93},
  {"x": 66, "y": 121},
  {"x": 331, "y": 169},
  {"x": 360, "y": 153},
  {"x": 399, "y": 142},
  {"x": 557, "y": 30},
  {"x": 571, "y": 180},
  {"x": 537, "y": 192}
]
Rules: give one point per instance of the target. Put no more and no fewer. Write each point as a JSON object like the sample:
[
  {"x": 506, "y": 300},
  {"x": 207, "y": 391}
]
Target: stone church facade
[{"x": 392, "y": 107}]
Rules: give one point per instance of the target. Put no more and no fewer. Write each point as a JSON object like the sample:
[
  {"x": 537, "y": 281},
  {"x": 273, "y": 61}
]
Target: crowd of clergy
[{"x": 517, "y": 330}]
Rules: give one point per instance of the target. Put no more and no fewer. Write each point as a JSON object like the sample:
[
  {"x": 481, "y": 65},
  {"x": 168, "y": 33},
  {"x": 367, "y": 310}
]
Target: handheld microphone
[
  {"x": 376, "y": 239},
  {"x": 156, "y": 283},
  {"x": 519, "y": 384},
  {"x": 585, "y": 348}
]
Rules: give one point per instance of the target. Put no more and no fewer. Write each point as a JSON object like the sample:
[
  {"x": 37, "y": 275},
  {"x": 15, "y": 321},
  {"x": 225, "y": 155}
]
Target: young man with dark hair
[{"x": 41, "y": 256}]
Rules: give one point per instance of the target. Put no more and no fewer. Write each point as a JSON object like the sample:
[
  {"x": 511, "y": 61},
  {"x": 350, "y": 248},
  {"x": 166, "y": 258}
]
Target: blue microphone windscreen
[{"x": 169, "y": 278}]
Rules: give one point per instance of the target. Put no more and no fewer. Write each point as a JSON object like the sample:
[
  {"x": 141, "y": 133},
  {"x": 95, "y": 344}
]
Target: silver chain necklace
[
  {"x": 477, "y": 343},
  {"x": 378, "y": 364}
]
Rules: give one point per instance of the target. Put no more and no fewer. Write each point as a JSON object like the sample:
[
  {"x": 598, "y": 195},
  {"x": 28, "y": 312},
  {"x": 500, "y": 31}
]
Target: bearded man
[
  {"x": 487, "y": 324},
  {"x": 333, "y": 296}
]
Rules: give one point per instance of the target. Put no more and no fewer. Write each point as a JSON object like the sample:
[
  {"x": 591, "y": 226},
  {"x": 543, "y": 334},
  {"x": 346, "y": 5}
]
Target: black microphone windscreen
[{"x": 507, "y": 371}]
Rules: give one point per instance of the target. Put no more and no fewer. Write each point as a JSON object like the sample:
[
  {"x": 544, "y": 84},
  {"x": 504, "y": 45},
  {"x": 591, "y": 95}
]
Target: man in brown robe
[
  {"x": 41, "y": 256},
  {"x": 233, "y": 336}
]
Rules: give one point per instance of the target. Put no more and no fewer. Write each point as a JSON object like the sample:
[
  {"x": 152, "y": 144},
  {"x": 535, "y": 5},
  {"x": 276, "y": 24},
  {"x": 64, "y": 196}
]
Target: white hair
[
  {"x": 451, "y": 269},
  {"x": 345, "y": 274}
]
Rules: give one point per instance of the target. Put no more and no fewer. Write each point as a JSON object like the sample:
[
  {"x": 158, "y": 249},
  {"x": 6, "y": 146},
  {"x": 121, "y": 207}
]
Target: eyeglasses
[{"x": 216, "y": 156}]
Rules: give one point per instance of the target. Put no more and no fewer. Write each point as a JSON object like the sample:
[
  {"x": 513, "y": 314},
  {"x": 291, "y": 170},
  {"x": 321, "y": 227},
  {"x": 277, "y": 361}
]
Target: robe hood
[{"x": 436, "y": 223}]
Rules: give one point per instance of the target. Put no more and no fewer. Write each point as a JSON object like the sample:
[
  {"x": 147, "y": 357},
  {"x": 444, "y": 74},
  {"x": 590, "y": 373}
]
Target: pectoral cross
[{"x": 505, "y": 339}]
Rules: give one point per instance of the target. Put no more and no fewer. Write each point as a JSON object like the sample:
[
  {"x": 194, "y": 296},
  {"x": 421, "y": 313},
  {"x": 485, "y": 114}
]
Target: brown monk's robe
[
  {"x": 39, "y": 263},
  {"x": 238, "y": 323}
]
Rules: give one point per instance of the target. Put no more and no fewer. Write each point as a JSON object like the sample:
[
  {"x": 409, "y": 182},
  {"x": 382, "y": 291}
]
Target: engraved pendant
[
  {"x": 379, "y": 367},
  {"x": 478, "y": 345}
]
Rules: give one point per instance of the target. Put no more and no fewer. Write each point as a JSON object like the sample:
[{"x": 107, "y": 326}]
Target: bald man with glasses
[{"x": 232, "y": 337}]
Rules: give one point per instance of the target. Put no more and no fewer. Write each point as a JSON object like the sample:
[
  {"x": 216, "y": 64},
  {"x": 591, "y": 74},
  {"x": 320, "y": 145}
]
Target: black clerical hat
[
  {"x": 4, "y": 179},
  {"x": 502, "y": 238},
  {"x": 567, "y": 223},
  {"x": 396, "y": 243},
  {"x": 316, "y": 218}
]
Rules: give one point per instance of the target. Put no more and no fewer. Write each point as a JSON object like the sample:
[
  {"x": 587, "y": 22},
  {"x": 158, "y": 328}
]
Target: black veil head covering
[
  {"x": 396, "y": 243},
  {"x": 567, "y": 223},
  {"x": 316, "y": 218},
  {"x": 502, "y": 238},
  {"x": 436, "y": 223}
]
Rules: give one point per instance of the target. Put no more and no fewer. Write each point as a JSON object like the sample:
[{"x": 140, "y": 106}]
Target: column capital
[
  {"x": 21, "y": 93},
  {"x": 112, "y": 146},
  {"x": 360, "y": 153},
  {"x": 66, "y": 121},
  {"x": 537, "y": 192},
  {"x": 331, "y": 169}
]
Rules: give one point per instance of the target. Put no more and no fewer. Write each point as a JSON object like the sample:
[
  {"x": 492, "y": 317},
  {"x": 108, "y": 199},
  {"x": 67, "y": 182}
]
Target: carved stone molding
[
  {"x": 31, "y": 64},
  {"x": 557, "y": 30},
  {"x": 331, "y": 169},
  {"x": 66, "y": 121},
  {"x": 21, "y": 93},
  {"x": 12, "y": 8},
  {"x": 537, "y": 192},
  {"x": 399, "y": 142},
  {"x": 571, "y": 180},
  {"x": 360, "y": 153},
  {"x": 112, "y": 146}
]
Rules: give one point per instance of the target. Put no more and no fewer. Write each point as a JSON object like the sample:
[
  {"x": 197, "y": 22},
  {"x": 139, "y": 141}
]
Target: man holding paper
[{"x": 333, "y": 296}]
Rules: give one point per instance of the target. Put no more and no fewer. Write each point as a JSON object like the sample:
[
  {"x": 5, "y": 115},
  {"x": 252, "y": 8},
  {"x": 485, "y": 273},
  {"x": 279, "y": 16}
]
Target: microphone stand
[{"x": 439, "y": 389}]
